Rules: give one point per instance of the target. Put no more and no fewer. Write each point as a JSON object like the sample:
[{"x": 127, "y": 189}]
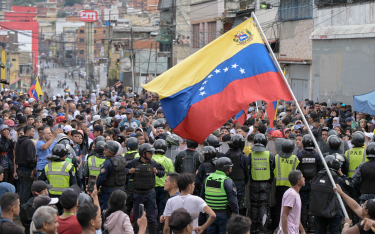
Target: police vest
[
  {"x": 144, "y": 177},
  {"x": 215, "y": 195},
  {"x": 130, "y": 155},
  {"x": 118, "y": 176},
  {"x": 356, "y": 156},
  {"x": 58, "y": 176},
  {"x": 368, "y": 177},
  {"x": 94, "y": 164},
  {"x": 237, "y": 171},
  {"x": 283, "y": 167},
  {"x": 260, "y": 166},
  {"x": 308, "y": 164},
  {"x": 68, "y": 159},
  {"x": 209, "y": 168}
]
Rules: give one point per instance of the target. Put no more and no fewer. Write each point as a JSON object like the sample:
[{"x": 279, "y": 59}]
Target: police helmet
[
  {"x": 130, "y": 89},
  {"x": 64, "y": 141},
  {"x": 83, "y": 199},
  {"x": 132, "y": 143},
  {"x": 99, "y": 138},
  {"x": 108, "y": 121},
  {"x": 260, "y": 142},
  {"x": 160, "y": 123},
  {"x": 339, "y": 157},
  {"x": 332, "y": 133},
  {"x": 173, "y": 139},
  {"x": 99, "y": 147},
  {"x": 308, "y": 142},
  {"x": 358, "y": 139},
  {"x": 209, "y": 153},
  {"x": 191, "y": 144},
  {"x": 334, "y": 142},
  {"x": 287, "y": 148},
  {"x": 212, "y": 140},
  {"x": 370, "y": 150},
  {"x": 160, "y": 146},
  {"x": 237, "y": 142},
  {"x": 332, "y": 162},
  {"x": 223, "y": 164},
  {"x": 112, "y": 147},
  {"x": 146, "y": 147},
  {"x": 60, "y": 150}
]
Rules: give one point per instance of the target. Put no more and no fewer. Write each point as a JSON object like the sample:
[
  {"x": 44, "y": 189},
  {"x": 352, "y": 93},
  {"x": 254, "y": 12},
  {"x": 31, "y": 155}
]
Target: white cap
[
  {"x": 369, "y": 135},
  {"x": 95, "y": 118},
  {"x": 44, "y": 115},
  {"x": 31, "y": 100},
  {"x": 68, "y": 128}
]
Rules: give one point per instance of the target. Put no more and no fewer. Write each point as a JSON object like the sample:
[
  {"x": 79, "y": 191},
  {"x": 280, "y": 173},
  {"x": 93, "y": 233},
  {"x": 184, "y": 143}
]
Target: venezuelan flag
[
  {"x": 272, "y": 111},
  {"x": 212, "y": 85},
  {"x": 35, "y": 90}
]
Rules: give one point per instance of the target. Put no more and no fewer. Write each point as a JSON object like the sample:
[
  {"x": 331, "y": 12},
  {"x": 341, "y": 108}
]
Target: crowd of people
[{"x": 108, "y": 162}]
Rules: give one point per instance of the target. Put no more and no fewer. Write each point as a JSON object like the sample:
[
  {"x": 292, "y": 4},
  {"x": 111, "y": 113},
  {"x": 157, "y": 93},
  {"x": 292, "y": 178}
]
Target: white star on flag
[
  {"x": 225, "y": 69},
  {"x": 242, "y": 70},
  {"x": 201, "y": 88},
  {"x": 210, "y": 76},
  {"x": 205, "y": 82},
  {"x": 217, "y": 71},
  {"x": 202, "y": 93},
  {"x": 234, "y": 66}
]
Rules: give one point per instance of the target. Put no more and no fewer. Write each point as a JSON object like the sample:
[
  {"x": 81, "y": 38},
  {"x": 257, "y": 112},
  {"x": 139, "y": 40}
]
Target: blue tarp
[{"x": 365, "y": 103}]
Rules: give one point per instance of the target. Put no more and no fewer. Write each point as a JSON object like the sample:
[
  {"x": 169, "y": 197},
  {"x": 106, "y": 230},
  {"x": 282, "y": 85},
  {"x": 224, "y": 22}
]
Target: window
[
  {"x": 295, "y": 10},
  {"x": 94, "y": 31},
  {"x": 195, "y": 36},
  {"x": 81, "y": 40},
  {"x": 211, "y": 31},
  {"x": 203, "y": 33},
  {"x": 81, "y": 31},
  {"x": 82, "y": 52},
  {"x": 14, "y": 60},
  {"x": 103, "y": 31}
]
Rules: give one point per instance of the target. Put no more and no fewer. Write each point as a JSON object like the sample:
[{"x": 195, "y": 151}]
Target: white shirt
[{"x": 192, "y": 204}]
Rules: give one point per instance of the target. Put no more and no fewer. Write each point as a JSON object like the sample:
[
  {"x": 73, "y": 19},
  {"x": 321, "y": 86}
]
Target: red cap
[
  {"x": 26, "y": 104},
  {"x": 122, "y": 103},
  {"x": 60, "y": 119},
  {"x": 9, "y": 122}
]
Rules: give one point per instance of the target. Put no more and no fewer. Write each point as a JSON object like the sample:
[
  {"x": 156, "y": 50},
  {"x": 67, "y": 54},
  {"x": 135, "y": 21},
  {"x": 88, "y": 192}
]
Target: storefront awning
[{"x": 14, "y": 81}]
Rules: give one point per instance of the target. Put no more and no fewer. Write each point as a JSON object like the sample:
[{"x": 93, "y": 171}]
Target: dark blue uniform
[
  {"x": 220, "y": 223},
  {"x": 148, "y": 196}
]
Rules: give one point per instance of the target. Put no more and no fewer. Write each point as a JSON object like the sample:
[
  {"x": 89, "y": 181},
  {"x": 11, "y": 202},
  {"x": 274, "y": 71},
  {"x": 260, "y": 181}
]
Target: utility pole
[
  {"x": 132, "y": 57},
  {"x": 109, "y": 45},
  {"x": 156, "y": 59},
  {"x": 148, "y": 65}
]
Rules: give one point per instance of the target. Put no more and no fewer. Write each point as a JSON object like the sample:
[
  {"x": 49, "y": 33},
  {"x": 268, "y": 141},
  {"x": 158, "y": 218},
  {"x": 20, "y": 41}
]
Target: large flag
[
  {"x": 35, "y": 90},
  {"x": 212, "y": 85},
  {"x": 272, "y": 111},
  {"x": 241, "y": 116}
]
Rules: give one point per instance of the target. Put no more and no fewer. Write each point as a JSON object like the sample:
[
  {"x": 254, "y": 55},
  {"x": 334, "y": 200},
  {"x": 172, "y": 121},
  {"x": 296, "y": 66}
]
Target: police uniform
[
  {"x": 364, "y": 178},
  {"x": 220, "y": 194},
  {"x": 262, "y": 164},
  {"x": 204, "y": 170},
  {"x": 187, "y": 161},
  {"x": 112, "y": 177},
  {"x": 60, "y": 174},
  {"x": 283, "y": 166},
  {"x": 129, "y": 156},
  {"x": 310, "y": 165},
  {"x": 93, "y": 164},
  {"x": 355, "y": 157},
  {"x": 240, "y": 173},
  {"x": 144, "y": 188}
]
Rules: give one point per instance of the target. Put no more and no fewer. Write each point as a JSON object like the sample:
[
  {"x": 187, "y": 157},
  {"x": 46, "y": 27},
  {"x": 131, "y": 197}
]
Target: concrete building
[
  {"x": 99, "y": 36},
  {"x": 343, "y": 44}
]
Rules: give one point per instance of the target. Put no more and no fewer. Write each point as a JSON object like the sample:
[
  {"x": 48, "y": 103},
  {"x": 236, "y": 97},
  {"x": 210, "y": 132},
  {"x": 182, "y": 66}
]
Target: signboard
[{"x": 88, "y": 16}]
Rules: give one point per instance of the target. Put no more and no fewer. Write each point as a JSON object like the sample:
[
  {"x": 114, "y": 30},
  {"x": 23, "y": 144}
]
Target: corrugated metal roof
[
  {"x": 343, "y": 32},
  {"x": 165, "y": 4}
]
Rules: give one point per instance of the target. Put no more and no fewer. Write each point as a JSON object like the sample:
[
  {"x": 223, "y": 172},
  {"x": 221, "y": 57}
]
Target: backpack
[
  {"x": 322, "y": 196},
  {"x": 189, "y": 161}
]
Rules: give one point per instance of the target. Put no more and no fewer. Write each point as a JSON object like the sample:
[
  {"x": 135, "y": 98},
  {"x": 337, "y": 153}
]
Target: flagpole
[{"x": 300, "y": 111}]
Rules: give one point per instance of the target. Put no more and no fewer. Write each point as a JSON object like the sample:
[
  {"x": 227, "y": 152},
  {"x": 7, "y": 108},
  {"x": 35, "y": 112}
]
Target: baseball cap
[
  {"x": 69, "y": 197},
  {"x": 98, "y": 128},
  {"x": 138, "y": 128},
  {"x": 44, "y": 115},
  {"x": 22, "y": 119},
  {"x": 44, "y": 200},
  {"x": 4, "y": 126},
  {"x": 26, "y": 104},
  {"x": 251, "y": 109},
  {"x": 31, "y": 100},
  {"x": 180, "y": 218},
  {"x": 129, "y": 111},
  {"x": 349, "y": 119},
  {"x": 95, "y": 118},
  {"x": 39, "y": 186},
  {"x": 60, "y": 119},
  {"x": 9, "y": 122},
  {"x": 68, "y": 128}
]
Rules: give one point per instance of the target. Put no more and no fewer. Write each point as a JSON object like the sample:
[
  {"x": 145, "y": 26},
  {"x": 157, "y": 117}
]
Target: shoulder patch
[
  {"x": 347, "y": 182},
  {"x": 234, "y": 189},
  {"x": 102, "y": 170},
  {"x": 197, "y": 172},
  {"x": 73, "y": 174}
]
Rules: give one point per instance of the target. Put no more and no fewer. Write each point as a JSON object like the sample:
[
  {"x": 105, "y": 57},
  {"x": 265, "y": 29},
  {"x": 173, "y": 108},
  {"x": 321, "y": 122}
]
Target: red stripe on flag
[{"x": 221, "y": 107}]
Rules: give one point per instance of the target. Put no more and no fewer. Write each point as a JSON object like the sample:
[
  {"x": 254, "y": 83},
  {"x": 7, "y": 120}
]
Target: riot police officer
[
  {"x": 240, "y": 174},
  {"x": 59, "y": 172},
  {"x": 285, "y": 162},
  {"x": 160, "y": 146},
  {"x": 143, "y": 170},
  {"x": 335, "y": 147},
  {"x": 364, "y": 176},
  {"x": 262, "y": 164},
  {"x": 310, "y": 165},
  {"x": 173, "y": 142},
  {"x": 220, "y": 194},
  {"x": 112, "y": 173},
  {"x": 213, "y": 141},
  {"x": 207, "y": 167},
  {"x": 94, "y": 162},
  {"x": 132, "y": 146},
  {"x": 187, "y": 161}
]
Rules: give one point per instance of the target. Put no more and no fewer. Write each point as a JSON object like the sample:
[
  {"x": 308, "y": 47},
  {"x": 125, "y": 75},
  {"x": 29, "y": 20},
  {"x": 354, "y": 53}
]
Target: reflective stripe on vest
[
  {"x": 215, "y": 195},
  {"x": 355, "y": 161},
  {"x": 94, "y": 164},
  {"x": 282, "y": 175},
  {"x": 260, "y": 166},
  {"x": 58, "y": 176}
]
